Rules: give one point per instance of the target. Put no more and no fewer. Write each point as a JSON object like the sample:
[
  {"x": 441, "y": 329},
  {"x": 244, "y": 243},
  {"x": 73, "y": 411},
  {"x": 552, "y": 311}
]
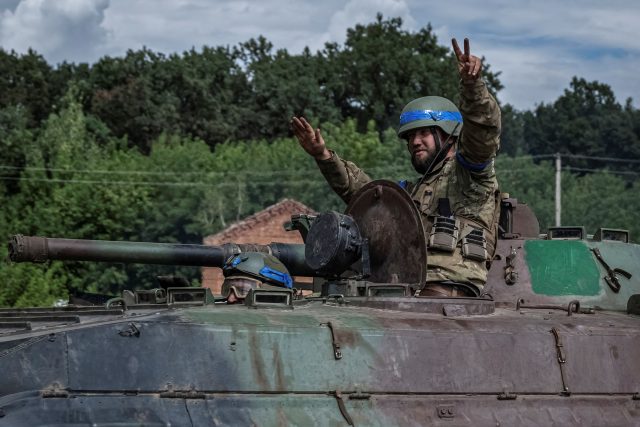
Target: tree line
[{"x": 172, "y": 148}]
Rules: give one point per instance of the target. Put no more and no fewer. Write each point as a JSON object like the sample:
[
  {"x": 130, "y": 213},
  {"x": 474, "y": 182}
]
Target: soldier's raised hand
[
  {"x": 310, "y": 140},
  {"x": 469, "y": 66}
]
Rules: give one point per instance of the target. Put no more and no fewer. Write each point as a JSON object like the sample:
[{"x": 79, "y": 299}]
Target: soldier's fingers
[
  {"x": 467, "y": 51},
  {"x": 464, "y": 68},
  {"x": 298, "y": 135},
  {"x": 296, "y": 130},
  {"x": 305, "y": 131},
  {"x": 456, "y": 49},
  {"x": 297, "y": 124},
  {"x": 477, "y": 67},
  {"x": 319, "y": 138},
  {"x": 471, "y": 65},
  {"x": 306, "y": 125},
  {"x": 299, "y": 129}
]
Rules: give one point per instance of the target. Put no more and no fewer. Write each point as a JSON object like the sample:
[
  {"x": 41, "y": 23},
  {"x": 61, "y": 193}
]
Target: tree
[
  {"x": 601, "y": 200},
  {"x": 382, "y": 67},
  {"x": 125, "y": 97},
  {"x": 15, "y": 143},
  {"x": 285, "y": 85},
  {"x": 512, "y": 141},
  {"x": 25, "y": 82},
  {"x": 28, "y": 285},
  {"x": 530, "y": 183},
  {"x": 202, "y": 94},
  {"x": 212, "y": 93},
  {"x": 585, "y": 120}
]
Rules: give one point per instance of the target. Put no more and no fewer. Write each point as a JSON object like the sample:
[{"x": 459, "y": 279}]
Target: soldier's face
[{"x": 422, "y": 146}]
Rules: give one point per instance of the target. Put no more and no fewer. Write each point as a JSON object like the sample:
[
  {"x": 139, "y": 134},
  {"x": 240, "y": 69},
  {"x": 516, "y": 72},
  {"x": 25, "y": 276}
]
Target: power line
[
  {"x": 604, "y": 159},
  {"x": 130, "y": 172},
  {"x": 273, "y": 173},
  {"x": 605, "y": 171},
  {"x": 284, "y": 173},
  {"x": 98, "y": 171},
  {"x": 160, "y": 184},
  {"x": 217, "y": 183},
  {"x": 516, "y": 171},
  {"x": 574, "y": 156},
  {"x": 208, "y": 173},
  {"x": 530, "y": 156},
  {"x": 179, "y": 174}
]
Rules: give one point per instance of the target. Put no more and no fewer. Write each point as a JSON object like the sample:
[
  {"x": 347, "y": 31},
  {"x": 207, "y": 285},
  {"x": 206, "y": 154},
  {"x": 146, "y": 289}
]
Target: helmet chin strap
[
  {"x": 436, "y": 137},
  {"x": 440, "y": 154}
]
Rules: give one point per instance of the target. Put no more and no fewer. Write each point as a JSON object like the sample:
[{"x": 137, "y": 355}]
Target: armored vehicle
[{"x": 553, "y": 339}]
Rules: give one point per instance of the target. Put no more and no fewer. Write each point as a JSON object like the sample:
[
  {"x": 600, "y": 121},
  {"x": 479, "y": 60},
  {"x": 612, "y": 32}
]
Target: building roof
[{"x": 285, "y": 206}]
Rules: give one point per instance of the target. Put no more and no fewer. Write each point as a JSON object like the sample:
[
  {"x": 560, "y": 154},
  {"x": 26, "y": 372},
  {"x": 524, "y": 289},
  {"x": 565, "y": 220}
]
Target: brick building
[{"x": 263, "y": 227}]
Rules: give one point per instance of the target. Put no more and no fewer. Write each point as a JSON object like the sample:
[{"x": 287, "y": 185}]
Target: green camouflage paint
[{"x": 562, "y": 267}]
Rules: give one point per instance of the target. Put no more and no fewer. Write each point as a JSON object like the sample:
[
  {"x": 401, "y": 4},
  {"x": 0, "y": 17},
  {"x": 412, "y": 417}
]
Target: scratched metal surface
[
  {"x": 617, "y": 255},
  {"x": 220, "y": 364}
]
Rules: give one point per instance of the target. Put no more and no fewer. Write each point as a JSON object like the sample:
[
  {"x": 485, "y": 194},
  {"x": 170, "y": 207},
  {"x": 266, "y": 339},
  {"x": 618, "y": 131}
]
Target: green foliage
[
  {"x": 26, "y": 285},
  {"x": 512, "y": 141},
  {"x": 593, "y": 201},
  {"x": 382, "y": 67},
  {"x": 247, "y": 92},
  {"x": 586, "y": 120},
  {"x": 25, "y": 80},
  {"x": 15, "y": 144},
  {"x": 530, "y": 183},
  {"x": 159, "y": 148},
  {"x": 601, "y": 200},
  {"x": 285, "y": 85}
]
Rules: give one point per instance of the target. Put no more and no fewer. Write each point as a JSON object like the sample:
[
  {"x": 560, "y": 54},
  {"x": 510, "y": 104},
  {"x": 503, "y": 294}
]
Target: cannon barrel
[{"x": 41, "y": 249}]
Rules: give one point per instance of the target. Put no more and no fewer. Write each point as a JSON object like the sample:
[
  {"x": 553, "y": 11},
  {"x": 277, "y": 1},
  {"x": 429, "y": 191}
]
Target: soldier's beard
[{"x": 421, "y": 165}]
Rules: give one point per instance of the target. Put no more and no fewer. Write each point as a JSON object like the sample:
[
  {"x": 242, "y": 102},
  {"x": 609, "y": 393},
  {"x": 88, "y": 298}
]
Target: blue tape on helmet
[
  {"x": 237, "y": 260},
  {"x": 278, "y": 276},
  {"x": 436, "y": 115},
  {"x": 403, "y": 183}
]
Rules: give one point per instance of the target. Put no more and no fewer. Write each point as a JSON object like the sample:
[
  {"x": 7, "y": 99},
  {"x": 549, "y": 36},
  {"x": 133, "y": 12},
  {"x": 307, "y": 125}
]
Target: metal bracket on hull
[
  {"x": 337, "y": 353},
  {"x": 562, "y": 359}
]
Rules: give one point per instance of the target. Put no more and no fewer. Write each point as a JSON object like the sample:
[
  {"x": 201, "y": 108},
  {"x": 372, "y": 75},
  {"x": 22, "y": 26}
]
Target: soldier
[
  {"x": 457, "y": 194},
  {"x": 253, "y": 270}
]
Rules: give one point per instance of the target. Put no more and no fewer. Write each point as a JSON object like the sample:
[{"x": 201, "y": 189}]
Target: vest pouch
[
  {"x": 444, "y": 234},
  {"x": 474, "y": 246}
]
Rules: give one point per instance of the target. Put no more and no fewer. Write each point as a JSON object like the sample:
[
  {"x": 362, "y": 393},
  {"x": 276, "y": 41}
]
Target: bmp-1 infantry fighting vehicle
[{"x": 554, "y": 338}]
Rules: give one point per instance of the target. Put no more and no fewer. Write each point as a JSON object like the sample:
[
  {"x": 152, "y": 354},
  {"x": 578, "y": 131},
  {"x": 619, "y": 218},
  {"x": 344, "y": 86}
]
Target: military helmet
[
  {"x": 259, "y": 266},
  {"x": 430, "y": 111}
]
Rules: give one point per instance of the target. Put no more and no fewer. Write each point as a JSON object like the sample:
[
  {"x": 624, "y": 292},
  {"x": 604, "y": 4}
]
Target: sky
[{"x": 538, "y": 46}]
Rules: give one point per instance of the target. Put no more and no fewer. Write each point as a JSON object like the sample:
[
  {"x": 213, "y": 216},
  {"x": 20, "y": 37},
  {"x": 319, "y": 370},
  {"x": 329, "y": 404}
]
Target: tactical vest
[{"x": 460, "y": 211}]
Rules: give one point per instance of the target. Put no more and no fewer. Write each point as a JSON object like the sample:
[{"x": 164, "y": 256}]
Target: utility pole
[{"x": 558, "y": 189}]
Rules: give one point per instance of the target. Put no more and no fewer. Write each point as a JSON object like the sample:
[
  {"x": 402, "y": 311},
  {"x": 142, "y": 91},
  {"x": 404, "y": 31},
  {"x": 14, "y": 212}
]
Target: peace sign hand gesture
[{"x": 469, "y": 66}]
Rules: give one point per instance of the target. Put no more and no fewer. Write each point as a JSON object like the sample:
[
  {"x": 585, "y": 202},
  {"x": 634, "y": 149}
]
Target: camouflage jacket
[{"x": 467, "y": 180}]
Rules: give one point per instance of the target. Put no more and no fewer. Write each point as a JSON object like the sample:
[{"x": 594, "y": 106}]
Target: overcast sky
[{"x": 538, "y": 45}]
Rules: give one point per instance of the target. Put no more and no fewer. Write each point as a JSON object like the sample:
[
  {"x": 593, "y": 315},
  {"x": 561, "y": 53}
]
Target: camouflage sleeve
[
  {"x": 344, "y": 177},
  {"x": 480, "y": 137}
]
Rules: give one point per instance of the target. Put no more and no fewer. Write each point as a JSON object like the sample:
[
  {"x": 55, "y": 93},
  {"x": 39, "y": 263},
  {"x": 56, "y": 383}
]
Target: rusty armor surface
[{"x": 468, "y": 180}]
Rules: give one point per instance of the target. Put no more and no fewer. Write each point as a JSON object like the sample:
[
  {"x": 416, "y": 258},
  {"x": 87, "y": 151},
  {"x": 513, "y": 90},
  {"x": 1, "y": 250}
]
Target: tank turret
[{"x": 369, "y": 241}]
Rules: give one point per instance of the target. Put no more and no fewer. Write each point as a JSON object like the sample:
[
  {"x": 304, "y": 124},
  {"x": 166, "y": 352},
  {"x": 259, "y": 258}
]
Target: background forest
[{"x": 173, "y": 148}]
